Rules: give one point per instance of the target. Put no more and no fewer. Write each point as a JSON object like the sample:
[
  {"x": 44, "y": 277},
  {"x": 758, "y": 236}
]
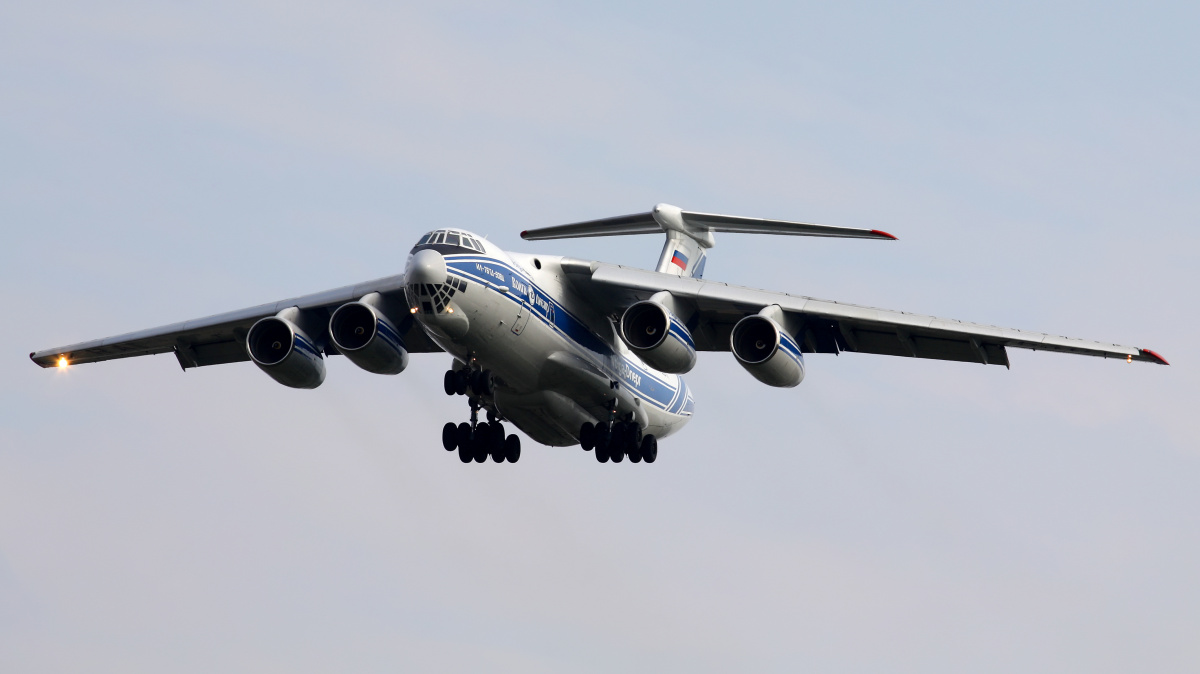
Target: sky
[{"x": 1039, "y": 163}]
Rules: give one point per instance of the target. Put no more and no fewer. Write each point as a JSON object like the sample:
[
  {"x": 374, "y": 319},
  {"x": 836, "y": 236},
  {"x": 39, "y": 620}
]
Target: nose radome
[{"x": 427, "y": 266}]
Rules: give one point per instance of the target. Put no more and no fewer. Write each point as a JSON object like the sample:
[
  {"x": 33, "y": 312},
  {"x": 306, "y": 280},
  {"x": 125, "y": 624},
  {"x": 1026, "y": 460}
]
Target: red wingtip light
[
  {"x": 884, "y": 234},
  {"x": 1157, "y": 358},
  {"x": 523, "y": 233}
]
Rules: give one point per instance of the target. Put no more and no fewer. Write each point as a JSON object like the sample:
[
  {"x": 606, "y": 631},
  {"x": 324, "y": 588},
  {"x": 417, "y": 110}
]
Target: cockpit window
[{"x": 460, "y": 240}]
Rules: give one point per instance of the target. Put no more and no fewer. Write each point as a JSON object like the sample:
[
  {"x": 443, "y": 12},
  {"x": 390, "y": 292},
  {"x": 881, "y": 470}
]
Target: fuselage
[{"x": 556, "y": 362}]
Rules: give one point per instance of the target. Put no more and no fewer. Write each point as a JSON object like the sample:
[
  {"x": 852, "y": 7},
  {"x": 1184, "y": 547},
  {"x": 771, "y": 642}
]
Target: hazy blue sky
[{"x": 1039, "y": 163}]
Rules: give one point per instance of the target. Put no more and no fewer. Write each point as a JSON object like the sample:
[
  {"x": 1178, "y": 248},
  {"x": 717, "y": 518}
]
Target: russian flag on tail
[{"x": 679, "y": 260}]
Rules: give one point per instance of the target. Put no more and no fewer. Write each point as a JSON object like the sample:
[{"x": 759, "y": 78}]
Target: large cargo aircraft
[{"x": 571, "y": 352}]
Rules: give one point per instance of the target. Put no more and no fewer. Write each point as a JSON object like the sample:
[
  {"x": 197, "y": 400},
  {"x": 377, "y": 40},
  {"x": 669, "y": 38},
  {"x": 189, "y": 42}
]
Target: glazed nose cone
[{"x": 427, "y": 266}]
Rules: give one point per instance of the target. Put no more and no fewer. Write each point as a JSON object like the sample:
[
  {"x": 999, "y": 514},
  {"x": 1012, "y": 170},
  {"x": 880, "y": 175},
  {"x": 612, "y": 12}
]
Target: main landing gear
[
  {"x": 477, "y": 440},
  {"x": 617, "y": 439}
]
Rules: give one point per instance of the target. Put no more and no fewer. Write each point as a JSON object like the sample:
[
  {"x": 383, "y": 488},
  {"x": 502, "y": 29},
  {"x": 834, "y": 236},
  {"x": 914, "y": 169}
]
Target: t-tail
[{"x": 690, "y": 233}]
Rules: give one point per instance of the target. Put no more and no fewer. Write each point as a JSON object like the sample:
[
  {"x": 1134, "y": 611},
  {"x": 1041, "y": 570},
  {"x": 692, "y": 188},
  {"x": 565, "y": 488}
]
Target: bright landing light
[{"x": 62, "y": 362}]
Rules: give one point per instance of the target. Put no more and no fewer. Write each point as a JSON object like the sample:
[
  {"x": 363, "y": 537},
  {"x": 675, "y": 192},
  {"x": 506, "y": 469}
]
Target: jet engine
[
  {"x": 767, "y": 351},
  {"x": 658, "y": 337},
  {"x": 281, "y": 349},
  {"x": 363, "y": 333}
]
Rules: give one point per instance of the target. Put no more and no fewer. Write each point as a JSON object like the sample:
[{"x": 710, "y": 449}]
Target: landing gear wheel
[
  {"x": 512, "y": 448},
  {"x": 616, "y": 443},
  {"x": 481, "y": 382},
  {"x": 465, "y": 454},
  {"x": 649, "y": 448},
  {"x": 602, "y": 449},
  {"x": 495, "y": 442},
  {"x": 449, "y": 383},
  {"x": 587, "y": 436},
  {"x": 460, "y": 382},
  {"x": 450, "y": 436},
  {"x": 464, "y": 436},
  {"x": 481, "y": 441}
]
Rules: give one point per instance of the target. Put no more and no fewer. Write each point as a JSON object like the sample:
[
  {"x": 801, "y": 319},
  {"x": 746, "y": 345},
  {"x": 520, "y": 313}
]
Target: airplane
[{"x": 570, "y": 351}]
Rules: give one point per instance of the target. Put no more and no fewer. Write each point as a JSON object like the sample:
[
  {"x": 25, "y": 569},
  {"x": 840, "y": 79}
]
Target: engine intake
[
  {"x": 281, "y": 349},
  {"x": 365, "y": 335},
  {"x": 658, "y": 337},
  {"x": 767, "y": 351}
]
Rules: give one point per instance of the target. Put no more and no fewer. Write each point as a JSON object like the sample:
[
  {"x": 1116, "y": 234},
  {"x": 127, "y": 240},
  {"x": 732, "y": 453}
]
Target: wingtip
[
  {"x": 523, "y": 233},
  {"x": 1154, "y": 356},
  {"x": 884, "y": 234}
]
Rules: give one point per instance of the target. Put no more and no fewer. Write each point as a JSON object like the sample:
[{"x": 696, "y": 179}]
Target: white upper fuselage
[{"x": 556, "y": 362}]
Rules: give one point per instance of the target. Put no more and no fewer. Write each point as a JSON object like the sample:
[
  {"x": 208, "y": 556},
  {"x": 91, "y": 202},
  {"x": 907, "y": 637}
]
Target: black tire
[
  {"x": 482, "y": 436},
  {"x": 450, "y": 436},
  {"x": 448, "y": 383},
  {"x": 491, "y": 416},
  {"x": 617, "y": 442},
  {"x": 635, "y": 453},
  {"x": 465, "y": 454},
  {"x": 481, "y": 382},
  {"x": 464, "y": 436},
  {"x": 460, "y": 381},
  {"x": 602, "y": 451},
  {"x": 495, "y": 442},
  {"x": 512, "y": 448},
  {"x": 587, "y": 436},
  {"x": 649, "y": 448}
]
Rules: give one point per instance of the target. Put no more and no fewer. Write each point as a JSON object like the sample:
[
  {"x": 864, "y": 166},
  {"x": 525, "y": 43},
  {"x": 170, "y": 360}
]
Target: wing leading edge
[
  {"x": 826, "y": 326},
  {"x": 222, "y": 338}
]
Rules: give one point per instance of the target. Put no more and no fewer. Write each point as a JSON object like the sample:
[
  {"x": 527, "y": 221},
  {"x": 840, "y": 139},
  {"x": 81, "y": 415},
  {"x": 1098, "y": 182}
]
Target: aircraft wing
[
  {"x": 825, "y": 326},
  {"x": 222, "y": 338}
]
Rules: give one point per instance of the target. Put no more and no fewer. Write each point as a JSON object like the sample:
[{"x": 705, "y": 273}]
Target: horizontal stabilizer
[
  {"x": 665, "y": 217},
  {"x": 638, "y": 223}
]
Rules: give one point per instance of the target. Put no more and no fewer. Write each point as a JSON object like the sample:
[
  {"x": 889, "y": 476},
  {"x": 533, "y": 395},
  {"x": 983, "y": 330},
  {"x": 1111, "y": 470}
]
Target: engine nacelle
[
  {"x": 365, "y": 335},
  {"x": 281, "y": 349},
  {"x": 658, "y": 337},
  {"x": 767, "y": 351}
]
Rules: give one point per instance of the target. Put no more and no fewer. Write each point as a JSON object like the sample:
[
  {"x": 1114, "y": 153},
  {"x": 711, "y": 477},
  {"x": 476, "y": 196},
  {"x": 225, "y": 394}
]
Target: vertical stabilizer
[{"x": 686, "y": 248}]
